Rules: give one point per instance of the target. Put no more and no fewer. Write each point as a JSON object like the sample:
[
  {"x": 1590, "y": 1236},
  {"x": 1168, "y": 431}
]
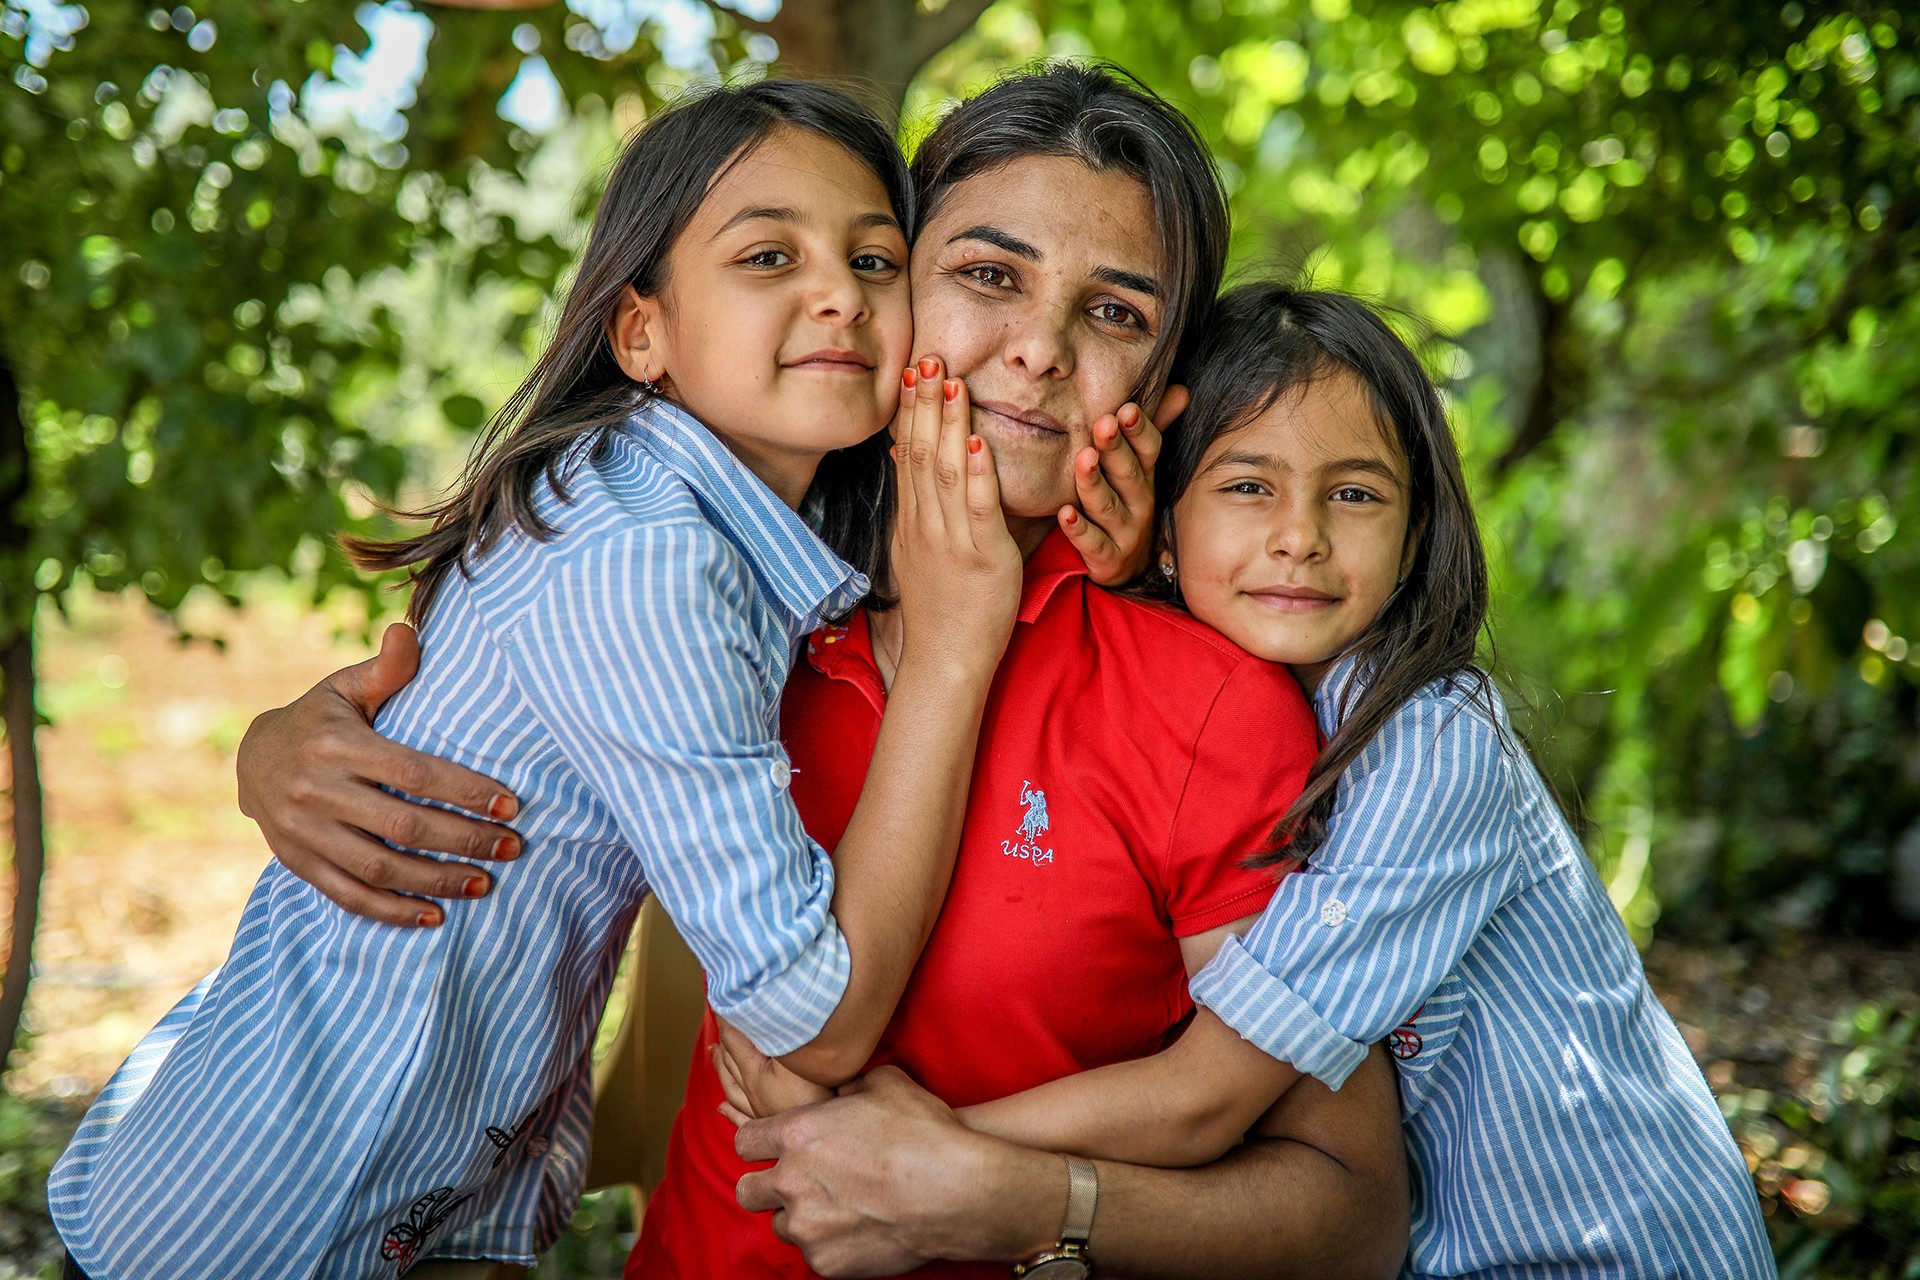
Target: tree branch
[{"x": 935, "y": 31}]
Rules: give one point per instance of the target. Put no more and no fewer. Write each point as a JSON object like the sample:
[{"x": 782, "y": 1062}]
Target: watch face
[{"x": 1060, "y": 1269}]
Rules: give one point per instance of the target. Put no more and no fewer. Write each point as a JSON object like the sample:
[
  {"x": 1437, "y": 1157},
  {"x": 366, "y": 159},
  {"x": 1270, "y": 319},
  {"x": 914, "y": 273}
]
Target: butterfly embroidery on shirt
[
  {"x": 404, "y": 1240},
  {"x": 1034, "y": 825},
  {"x": 503, "y": 1139}
]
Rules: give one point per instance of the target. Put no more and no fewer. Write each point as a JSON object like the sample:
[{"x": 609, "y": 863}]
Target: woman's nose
[{"x": 1038, "y": 342}]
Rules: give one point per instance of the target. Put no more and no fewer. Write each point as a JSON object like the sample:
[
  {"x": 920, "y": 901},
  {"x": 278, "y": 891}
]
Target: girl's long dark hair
[
  {"x": 1270, "y": 341},
  {"x": 577, "y": 390}
]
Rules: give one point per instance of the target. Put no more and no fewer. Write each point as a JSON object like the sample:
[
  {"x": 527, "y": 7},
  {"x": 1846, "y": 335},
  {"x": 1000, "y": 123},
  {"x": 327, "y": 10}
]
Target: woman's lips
[
  {"x": 1014, "y": 421},
  {"x": 1293, "y": 599}
]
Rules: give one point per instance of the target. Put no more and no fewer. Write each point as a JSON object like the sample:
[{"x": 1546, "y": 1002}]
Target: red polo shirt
[{"x": 1129, "y": 758}]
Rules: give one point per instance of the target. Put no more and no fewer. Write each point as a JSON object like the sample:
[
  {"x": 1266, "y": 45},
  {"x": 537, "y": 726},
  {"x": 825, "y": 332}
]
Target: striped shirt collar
[
  {"x": 1332, "y": 691},
  {"x": 799, "y": 571}
]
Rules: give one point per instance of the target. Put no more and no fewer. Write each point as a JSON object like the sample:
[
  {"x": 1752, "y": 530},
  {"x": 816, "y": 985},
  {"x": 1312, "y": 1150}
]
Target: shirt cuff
[
  {"x": 1273, "y": 1017},
  {"x": 788, "y": 1009}
]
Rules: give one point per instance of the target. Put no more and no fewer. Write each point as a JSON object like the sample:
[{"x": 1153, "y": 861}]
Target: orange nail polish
[
  {"x": 951, "y": 390},
  {"x": 929, "y": 367},
  {"x": 910, "y": 379},
  {"x": 502, "y": 808},
  {"x": 974, "y": 444},
  {"x": 1072, "y": 516},
  {"x": 506, "y": 848},
  {"x": 475, "y": 886},
  {"x": 427, "y": 919}
]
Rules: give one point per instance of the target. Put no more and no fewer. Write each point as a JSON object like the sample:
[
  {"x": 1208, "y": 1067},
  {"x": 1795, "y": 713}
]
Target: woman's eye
[
  {"x": 874, "y": 264},
  {"x": 768, "y": 258},
  {"x": 989, "y": 275},
  {"x": 1350, "y": 493},
  {"x": 1119, "y": 314},
  {"x": 1252, "y": 488}
]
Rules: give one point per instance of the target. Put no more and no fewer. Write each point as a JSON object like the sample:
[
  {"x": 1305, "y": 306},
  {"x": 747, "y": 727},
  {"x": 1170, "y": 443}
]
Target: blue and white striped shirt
[
  {"x": 343, "y": 1098},
  {"x": 1556, "y": 1122}
]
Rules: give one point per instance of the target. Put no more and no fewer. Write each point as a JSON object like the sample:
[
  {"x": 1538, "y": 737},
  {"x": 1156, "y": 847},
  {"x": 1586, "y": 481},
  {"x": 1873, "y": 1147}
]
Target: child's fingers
[
  {"x": 950, "y": 460},
  {"x": 1102, "y": 553},
  {"x": 983, "y": 493},
  {"x": 735, "y": 1114},
  {"x": 731, "y": 1084},
  {"x": 924, "y": 440},
  {"x": 1121, "y": 467},
  {"x": 1145, "y": 433},
  {"x": 902, "y": 436},
  {"x": 1098, "y": 498}
]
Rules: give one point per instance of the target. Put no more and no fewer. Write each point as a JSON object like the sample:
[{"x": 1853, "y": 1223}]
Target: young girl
[
  {"x": 610, "y": 604},
  {"x": 1556, "y": 1122}
]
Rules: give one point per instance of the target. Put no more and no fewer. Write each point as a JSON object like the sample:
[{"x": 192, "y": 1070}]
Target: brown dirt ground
[{"x": 149, "y": 859}]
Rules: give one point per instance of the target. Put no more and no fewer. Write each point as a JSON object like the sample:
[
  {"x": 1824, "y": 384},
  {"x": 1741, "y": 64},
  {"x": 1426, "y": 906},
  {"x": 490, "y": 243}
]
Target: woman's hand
[
  {"x": 1113, "y": 481},
  {"x": 757, "y": 1086},
  {"x": 311, "y": 775},
  {"x": 955, "y": 566}
]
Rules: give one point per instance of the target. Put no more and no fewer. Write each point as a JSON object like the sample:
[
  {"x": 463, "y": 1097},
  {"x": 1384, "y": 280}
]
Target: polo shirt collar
[
  {"x": 1055, "y": 562},
  {"x": 844, "y": 651},
  {"x": 799, "y": 571}
]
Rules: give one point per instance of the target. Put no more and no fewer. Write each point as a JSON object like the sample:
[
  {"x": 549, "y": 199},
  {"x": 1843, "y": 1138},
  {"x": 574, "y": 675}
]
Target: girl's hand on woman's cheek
[
  {"x": 1113, "y": 482},
  {"x": 956, "y": 567}
]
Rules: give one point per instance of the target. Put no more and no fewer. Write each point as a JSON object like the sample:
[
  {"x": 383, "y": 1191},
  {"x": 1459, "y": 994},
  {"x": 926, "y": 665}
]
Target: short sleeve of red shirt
[{"x": 1259, "y": 726}]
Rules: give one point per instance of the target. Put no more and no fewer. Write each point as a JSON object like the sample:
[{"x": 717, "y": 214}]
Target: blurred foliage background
[{"x": 268, "y": 265}]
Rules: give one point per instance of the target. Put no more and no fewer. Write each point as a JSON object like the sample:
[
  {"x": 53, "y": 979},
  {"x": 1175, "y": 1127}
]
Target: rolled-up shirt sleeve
[
  {"x": 1421, "y": 849},
  {"x": 641, "y": 657}
]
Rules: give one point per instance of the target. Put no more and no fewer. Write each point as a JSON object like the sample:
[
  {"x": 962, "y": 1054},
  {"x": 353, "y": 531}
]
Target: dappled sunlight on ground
[{"x": 149, "y": 859}]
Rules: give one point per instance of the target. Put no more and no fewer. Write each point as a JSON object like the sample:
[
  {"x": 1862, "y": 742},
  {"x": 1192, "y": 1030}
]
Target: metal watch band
[{"x": 1083, "y": 1195}]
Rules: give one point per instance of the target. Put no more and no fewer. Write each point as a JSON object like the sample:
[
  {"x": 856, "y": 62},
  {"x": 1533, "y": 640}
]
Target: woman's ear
[{"x": 637, "y": 334}]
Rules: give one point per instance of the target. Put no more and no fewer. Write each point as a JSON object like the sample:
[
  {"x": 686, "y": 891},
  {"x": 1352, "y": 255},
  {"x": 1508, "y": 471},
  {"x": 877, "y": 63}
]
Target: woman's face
[{"x": 1040, "y": 283}]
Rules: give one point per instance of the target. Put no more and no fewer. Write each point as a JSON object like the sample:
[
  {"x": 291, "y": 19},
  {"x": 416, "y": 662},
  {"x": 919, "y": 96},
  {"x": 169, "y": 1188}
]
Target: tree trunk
[
  {"x": 22, "y": 718},
  {"x": 29, "y": 832},
  {"x": 880, "y": 44}
]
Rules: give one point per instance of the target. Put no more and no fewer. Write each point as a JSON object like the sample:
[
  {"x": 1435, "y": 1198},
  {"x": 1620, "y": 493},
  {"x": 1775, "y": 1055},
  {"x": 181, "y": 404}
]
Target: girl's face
[
  {"x": 785, "y": 321},
  {"x": 1039, "y": 283},
  {"x": 1294, "y": 529}
]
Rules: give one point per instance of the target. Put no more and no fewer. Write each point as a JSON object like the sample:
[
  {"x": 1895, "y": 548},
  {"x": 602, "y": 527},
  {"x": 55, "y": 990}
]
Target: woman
[{"x": 1074, "y": 235}]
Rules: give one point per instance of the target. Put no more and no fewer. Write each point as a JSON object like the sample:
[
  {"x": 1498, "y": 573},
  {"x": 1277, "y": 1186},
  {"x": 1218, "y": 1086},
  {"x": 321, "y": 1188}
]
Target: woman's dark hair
[
  {"x": 577, "y": 390},
  {"x": 1268, "y": 341},
  {"x": 1106, "y": 119}
]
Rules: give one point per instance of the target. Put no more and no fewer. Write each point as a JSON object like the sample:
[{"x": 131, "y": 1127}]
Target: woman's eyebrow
[
  {"x": 1000, "y": 240},
  {"x": 1122, "y": 279}
]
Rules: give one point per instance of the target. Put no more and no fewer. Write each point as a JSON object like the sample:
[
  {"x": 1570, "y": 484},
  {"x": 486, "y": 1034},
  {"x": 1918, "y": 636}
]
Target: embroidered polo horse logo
[{"x": 1032, "y": 827}]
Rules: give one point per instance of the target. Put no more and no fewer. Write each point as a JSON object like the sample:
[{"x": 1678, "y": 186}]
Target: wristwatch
[{"x": 1069, "y": 1260}]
